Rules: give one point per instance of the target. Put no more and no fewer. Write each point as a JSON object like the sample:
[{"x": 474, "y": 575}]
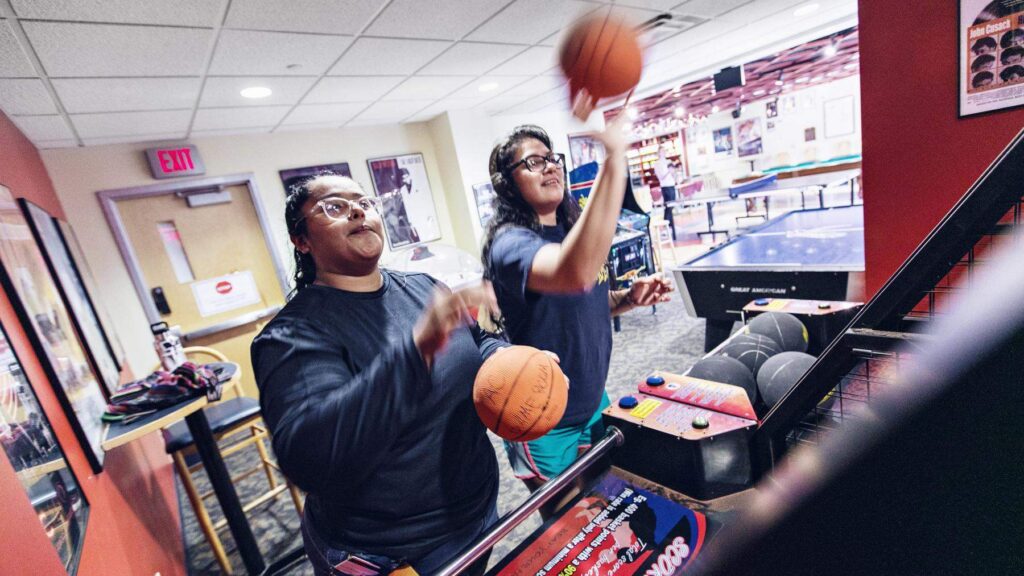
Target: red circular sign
[{"x": 223, "y": 287}]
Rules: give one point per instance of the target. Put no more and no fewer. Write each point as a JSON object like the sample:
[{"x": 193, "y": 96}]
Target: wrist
[{"x": 627, "y": 298}]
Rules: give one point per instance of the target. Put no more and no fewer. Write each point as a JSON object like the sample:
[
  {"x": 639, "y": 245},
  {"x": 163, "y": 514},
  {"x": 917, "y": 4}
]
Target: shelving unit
[{"x": 641, "y": 155}]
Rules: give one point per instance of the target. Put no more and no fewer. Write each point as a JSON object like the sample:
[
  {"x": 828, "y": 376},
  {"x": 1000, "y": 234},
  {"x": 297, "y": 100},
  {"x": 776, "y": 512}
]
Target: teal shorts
[{"x": 547, "y": 456}]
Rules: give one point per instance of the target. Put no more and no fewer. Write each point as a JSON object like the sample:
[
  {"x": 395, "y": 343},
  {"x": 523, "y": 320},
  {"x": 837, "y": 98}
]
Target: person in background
[
  {"x": 666, "y": 174},
  {"x": 365, "y": 382}
]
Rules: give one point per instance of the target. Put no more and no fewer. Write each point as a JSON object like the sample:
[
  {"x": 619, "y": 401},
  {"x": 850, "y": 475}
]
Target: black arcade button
[{"x": 700, "y": 422}]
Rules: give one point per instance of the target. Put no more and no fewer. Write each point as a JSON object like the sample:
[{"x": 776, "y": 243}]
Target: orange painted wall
[{"x": 134, "y": 523}]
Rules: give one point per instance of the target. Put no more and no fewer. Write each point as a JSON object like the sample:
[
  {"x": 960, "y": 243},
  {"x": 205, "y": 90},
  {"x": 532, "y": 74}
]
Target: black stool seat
[{"x": 223, "y": 416}]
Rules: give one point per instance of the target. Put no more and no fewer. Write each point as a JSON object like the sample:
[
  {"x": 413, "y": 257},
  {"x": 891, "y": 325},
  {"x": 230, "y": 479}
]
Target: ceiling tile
[
  {"x": 393, "y": 111},
  {"x": 126, "y": 94},
  {"x": 249, "y": 117},
  {"x": 533, "y": 61},
  {"x": 660, "y": 5},
  {"x": 326, "y": 16},
  {"x": 351, "y": 89},
  {"x": 384, "y": 56},
  {"x": 709, "y": 8},
  {"x": 427, "y": 87},
  {"x": 131, "y": 123},
  {"x": 437, "y": 19},
  {"x": 530, "y": 21},
  {"x": 13, "y": 61},
  {"x": 44, "y": 127},
  {"x": 333, "y": 114},
  {"x": 26, "y": 96},
  {"x": 226, "y": 91},
  {"x": 307, "y": 127},
  {"x": 177, "y": 13},
  {"x": 534, "y": 86},
  {"x": 470, "y": 59},
  {"x": 117, "y": 50},
  {"x": 230, "y": 132},
  {"x": 51, "y": 144},
  {"x": 499, "y": 104},
  {"x": 503, "y": 83},
  {"x": 155, "y": 139},
  {"x": 242, "y": 52}
]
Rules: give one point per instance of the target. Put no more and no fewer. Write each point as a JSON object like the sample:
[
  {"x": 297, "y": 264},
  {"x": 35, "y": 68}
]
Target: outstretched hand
[
  {"x": 650, "y": 290},
  {"x": 446, "y": 312}
]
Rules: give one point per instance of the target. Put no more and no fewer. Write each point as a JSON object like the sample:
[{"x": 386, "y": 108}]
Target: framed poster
[
  {"x": 839, "y": 117},
  {"x": 484, "y": 194},
  {"x": 37, "y": 302},
  {"x": 748, "y": 137},
  {"x": 991, "y": 55},
  {"x": 31, "y": 447},
  {"x": 585, "y": 149},
  {"x": 407, "y": 204},
  {"x": 72, "y": 291},
  {"x": 723, "y": 141},
  {"x": 293, "y": 176}
]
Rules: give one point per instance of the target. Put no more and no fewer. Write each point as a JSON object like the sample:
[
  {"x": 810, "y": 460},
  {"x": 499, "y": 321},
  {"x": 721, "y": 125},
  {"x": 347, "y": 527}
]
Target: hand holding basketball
[
  {"x": 602, "y": 55},
  {"x": 446, "y": 312}
]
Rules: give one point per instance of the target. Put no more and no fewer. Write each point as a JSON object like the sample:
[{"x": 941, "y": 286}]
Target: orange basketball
[
  {"x": 520, "y": 393},
  {"x": 601, "y": 54}
]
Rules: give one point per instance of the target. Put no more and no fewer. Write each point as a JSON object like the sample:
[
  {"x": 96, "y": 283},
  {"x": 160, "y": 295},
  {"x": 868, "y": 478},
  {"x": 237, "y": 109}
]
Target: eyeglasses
[
  {"x": 341, "y": 208},
  {"x": 537, "y": 163}
]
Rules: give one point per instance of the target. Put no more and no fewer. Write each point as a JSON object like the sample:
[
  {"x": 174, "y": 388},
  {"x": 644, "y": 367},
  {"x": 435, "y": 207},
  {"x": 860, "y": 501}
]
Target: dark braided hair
[
  {"x": 510, "y": 208},
  {"x": 298, "y": 194}
]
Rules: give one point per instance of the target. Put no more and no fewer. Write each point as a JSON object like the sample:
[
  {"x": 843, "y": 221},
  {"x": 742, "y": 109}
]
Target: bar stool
[{"x": 229, "y": 418}]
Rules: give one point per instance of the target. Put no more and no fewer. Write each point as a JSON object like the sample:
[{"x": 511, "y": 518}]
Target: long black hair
[
  {"x": 510, "y": 208},
  {"x": 295, "y": 219}
]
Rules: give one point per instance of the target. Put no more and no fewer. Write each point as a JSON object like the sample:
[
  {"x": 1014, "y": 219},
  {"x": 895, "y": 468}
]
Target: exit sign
[{"x": 175, "y": 161}]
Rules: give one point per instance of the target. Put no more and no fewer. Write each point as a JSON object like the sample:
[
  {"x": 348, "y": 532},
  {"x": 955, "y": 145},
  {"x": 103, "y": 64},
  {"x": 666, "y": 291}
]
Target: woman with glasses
[
  {"x": 546, "y": 259},
  {"x": 365, "y": 381}
]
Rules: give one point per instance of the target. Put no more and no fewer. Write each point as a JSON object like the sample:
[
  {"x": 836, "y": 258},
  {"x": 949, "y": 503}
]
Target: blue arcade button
[
  {"x": 628, "y": 402},
  {"x": 762, "y": 301},
  {"x": 655, "y": 380}
]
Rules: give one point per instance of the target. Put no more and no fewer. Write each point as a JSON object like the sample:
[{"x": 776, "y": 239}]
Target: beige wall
[{"x": 79, "y": 173}]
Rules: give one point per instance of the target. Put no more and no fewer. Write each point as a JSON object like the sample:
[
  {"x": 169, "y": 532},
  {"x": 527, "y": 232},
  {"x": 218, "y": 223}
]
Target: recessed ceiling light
[
  {"x": 801, "y": 80},
  {"x": 632, "y": 113},
  {"x": 830, "y": 50},
  {"x": 488, "y": 87},
  {"x": 256, "y": 92},
  {"x": 758, "y": 92},
  {"x": 806, "y": 9},
  {"x": 679, "y": 111},
  {"x": 714, "y": 109}
]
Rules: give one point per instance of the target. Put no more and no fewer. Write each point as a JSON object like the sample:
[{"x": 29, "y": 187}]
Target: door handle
[{"x": 160, "y": 301}]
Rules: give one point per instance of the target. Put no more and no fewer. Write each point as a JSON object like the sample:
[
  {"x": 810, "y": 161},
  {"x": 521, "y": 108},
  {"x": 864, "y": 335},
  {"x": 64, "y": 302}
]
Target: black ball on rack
[
  {"x": 753, "y": 350},
  {"x": 786, "y": 329},
  {"x": 780, "y": 373},
  {"x": 727, "y": 371}
]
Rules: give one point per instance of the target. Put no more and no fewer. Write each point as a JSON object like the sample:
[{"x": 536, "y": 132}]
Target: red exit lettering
[{"x": 175, "y": 160}]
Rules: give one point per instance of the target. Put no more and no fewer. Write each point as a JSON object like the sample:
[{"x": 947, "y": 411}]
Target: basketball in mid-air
[
  {"x": 520, "y": 393},
  {"x": 603, "y": 55}
]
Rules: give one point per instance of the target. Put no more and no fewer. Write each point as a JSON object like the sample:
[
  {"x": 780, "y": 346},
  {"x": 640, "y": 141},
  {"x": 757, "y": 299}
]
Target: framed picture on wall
[
  {"x": 38, "y": 460},
  {"x": 407, "y": 205},
  {"x": 484, "y": 194},
  {"x": 41, "y": 311},
  {"x": 584, "y": 149},
  {"x": 72, "y": 290},
  {"x": 839, "y": 117},
  {"x": 748, "y": 137},
  {"x": 293, "y": 176},
  {"x": 990, "y": 56},
  {"x": 723, "y": 141}
]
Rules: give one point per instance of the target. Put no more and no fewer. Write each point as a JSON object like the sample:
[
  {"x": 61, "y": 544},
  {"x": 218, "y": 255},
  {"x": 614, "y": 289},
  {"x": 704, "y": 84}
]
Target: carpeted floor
[{"x": 668, "y": 340}]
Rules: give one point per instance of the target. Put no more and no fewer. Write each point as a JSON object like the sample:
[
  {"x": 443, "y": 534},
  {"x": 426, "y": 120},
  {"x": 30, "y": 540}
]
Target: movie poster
[
  {"x": 407, "y": 204},
  {"x": 584, "y": 149},
  {"x": 748, "y": 138},
  {"x": 723, "y": 141},
  {"x": 615, "y": 529},
  {"x": 991, "y": 55}
]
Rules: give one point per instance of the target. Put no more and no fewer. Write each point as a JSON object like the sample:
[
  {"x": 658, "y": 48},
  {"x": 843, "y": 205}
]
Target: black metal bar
[{"x": 220, "y": 479}]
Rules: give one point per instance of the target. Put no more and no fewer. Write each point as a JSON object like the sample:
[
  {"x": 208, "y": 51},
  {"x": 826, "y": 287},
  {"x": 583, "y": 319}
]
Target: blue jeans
[{"x": 324, "y": 557}]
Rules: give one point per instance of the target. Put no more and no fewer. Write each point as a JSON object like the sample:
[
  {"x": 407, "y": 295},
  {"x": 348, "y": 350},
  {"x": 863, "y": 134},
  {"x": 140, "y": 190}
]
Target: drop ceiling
[{"x": 82, "y": 72}]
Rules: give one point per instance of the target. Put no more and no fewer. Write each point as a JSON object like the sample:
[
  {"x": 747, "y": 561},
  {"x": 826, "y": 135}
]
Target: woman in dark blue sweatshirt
[{"x": 365, "y": 381}]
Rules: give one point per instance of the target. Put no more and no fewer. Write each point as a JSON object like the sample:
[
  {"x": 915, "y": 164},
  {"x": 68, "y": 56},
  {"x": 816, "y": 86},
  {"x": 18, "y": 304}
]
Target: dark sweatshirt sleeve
[
  {"x": 331, "y": 427},
  {"x": 486, "y": 342}
]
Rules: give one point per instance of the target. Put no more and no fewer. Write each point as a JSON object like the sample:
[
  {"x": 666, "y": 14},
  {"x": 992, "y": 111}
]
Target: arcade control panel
[
  {"x": 824, "y": 319},
  {"x": 687, "y": 434}
]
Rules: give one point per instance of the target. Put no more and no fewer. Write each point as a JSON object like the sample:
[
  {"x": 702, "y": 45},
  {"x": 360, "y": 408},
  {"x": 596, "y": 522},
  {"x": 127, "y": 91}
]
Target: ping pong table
[
  {"x": 815, "y": 254},
  {"x": 814, "y": 183}
]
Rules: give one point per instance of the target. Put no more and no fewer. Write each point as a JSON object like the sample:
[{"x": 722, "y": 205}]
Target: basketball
[
  {"x": 601, "y": 54},
  {"x": 752, "y": 350},
  {"x": 726, "y": 371},
  {"x": 780, "y": 373},
  {"x": 520, "y": 393},
  {"x": 787, "y": 330}
]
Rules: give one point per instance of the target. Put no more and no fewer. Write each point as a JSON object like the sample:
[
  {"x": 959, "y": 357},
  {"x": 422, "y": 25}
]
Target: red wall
[
  {"x": 919, "y": 157},
  {"x": 134, "y": 525}
]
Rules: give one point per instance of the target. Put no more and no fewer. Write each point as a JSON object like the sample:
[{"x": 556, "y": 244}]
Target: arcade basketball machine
[{"x": 884, "y": 481}]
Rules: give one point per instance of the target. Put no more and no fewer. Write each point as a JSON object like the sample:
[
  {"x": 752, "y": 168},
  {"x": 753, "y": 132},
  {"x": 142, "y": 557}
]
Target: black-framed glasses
[
  {"x": 341, "y": 208},
  {"x": 537, "y": 163}
]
